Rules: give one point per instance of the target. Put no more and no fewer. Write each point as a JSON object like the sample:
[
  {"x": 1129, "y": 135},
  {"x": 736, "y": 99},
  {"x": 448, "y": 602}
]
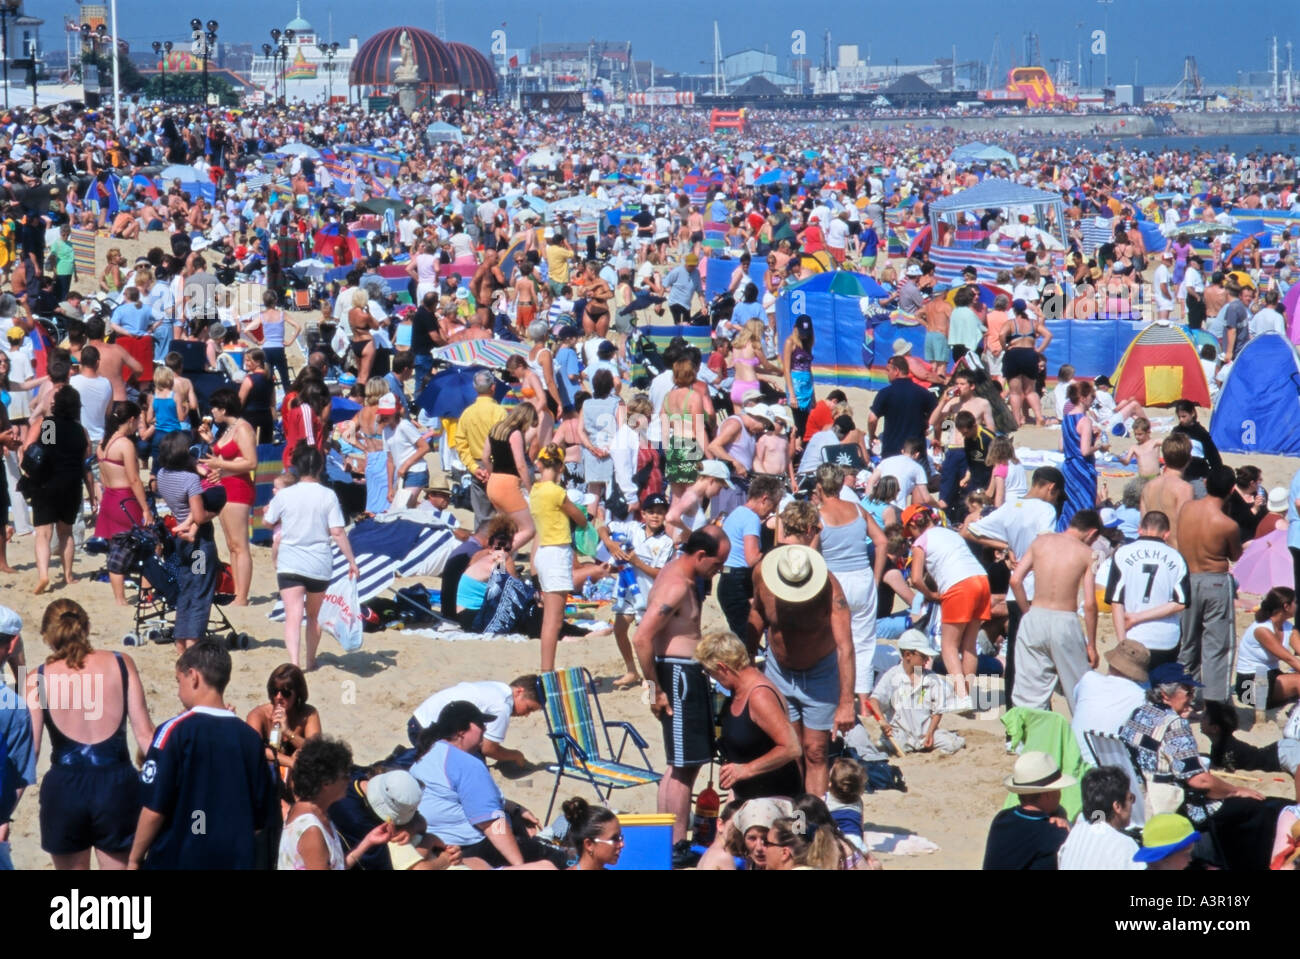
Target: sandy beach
[{"x": 366, "y": 697}]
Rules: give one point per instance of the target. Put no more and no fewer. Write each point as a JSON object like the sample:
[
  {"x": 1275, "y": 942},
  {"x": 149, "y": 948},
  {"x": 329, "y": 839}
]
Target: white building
[{"x": 309, "y": 74}]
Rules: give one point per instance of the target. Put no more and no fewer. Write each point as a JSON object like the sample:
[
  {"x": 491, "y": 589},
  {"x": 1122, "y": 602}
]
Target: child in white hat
[{"x": 912, "y": 699}]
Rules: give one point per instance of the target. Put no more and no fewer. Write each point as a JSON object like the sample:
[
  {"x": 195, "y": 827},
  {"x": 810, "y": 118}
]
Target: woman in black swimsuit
[
  {"x": 1022, "y": 360},
  {"x": 257, "y": 394},
  {"x": 90, "y": 795},
  {"x": 759, "y": 746}
]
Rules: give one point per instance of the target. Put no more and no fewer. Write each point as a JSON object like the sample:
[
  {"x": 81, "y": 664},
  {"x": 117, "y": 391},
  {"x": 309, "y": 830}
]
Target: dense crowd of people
[{"x": 874, "y": 571}]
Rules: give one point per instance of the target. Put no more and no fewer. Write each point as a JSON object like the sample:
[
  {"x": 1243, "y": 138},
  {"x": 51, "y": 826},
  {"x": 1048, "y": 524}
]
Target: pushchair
[{"x": 144, "y": 556}]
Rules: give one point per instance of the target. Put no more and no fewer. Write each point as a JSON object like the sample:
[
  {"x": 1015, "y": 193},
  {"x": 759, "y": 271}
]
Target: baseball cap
[
  {"x": 11, "y": 624},
  {"x": 1172, "y": 673},
  {"x": 387, "y": 404},
  {"x": 1165, "y": 835},
  {"x": 803, "y": 323},
  {"x": 913, "y": 270},
  {"x": 459, "y": 715},
  {"x": 394, "y": 796},
  {"x": 655, "y": 501},
  {"x": 917, "y": 642},
  {"x": 717, "y": 470},
  {"x": 15, "y": 333},
  {"x": 750, "y": 396},
  {"x": 912, "y": 512},
  {"x": 1167, "y": 255},
  {"x": 692, "y": 259}
]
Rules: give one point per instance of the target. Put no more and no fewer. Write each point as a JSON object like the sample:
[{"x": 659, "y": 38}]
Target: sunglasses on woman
[{"x": 286, "y": 693}]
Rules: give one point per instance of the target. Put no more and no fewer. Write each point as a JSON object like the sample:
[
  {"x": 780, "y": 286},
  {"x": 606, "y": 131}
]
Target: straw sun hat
[
  {"x": 1036, "y": 772},
  {"x": 794, "y": 574}
]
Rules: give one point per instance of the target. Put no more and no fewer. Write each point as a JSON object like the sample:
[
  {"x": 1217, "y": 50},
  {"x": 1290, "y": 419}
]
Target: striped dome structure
[
  {"x": 473, "y": 70},
  {"x": 379, "y": 57}
]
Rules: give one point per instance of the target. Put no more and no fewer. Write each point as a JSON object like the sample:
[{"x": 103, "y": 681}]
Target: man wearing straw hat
[
  {"x": 802, "y": 608},
  {"x": 1029, "y": 835}
]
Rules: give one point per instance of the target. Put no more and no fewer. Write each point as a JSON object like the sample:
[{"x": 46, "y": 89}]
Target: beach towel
[
  {"x": 1050, "y": 733},
  {"x": 383, "y": 552}
]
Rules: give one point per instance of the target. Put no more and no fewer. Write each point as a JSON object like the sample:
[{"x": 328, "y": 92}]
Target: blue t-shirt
[
  {"x": 135, "y": 318},
  {"x": 207, "y": 774},
  {"x": 459, "y": 792},
  {"x": 17, "y": 758},
  {"x": 870, "y": 241},
  {"x": 742, "y": 522},
  {"x": 744, "y": 312},
  {"x": 566, "y": 366}
]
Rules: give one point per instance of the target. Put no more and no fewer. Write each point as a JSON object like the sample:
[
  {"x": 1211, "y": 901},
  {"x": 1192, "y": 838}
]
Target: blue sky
[{"x": 678, "y": 33}]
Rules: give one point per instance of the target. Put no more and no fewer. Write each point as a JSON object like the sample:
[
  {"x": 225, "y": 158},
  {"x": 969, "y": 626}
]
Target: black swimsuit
[
  {"x": 744, "y": 741},
  {"x": 90, "y": 796}
]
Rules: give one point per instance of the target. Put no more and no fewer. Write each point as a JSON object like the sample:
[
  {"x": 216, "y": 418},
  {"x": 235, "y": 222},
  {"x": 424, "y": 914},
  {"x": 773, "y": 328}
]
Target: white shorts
[{"x": 554, "y": 568}]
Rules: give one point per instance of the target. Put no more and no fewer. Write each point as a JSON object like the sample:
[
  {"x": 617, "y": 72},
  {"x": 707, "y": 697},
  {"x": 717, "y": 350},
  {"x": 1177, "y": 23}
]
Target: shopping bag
[{"x": 340, "y": 614}]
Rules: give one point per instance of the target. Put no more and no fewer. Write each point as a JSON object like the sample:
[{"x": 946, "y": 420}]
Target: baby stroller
[{"x": 144, "y": 556}]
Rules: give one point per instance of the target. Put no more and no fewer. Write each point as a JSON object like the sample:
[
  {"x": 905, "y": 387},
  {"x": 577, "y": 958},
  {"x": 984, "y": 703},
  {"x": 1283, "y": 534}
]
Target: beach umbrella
[
  {"x": 451, "y": 391},
  {"x": 492, "y": 353},
  {"x": 381, "y": 205},
  {"x": 298, "y": 150},
  {"x": 327, "y": 240},
  {"x": 988, "y": 293},
  {"x": 847, "y": 283},
  {"x": 343, "y": 409},
  {"x": 1289, "y": 304},
  {"x": 811, "y": 155},
  {"x": 179, "y": 171},
  {"x": 1265, "y": 563}
]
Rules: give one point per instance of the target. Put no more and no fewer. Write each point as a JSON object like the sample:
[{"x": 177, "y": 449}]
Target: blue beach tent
[{"x": 1259, "y": 408}]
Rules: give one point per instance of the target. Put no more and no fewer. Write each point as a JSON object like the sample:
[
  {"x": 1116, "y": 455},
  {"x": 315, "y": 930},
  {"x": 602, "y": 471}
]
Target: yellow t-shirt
[
  {"x": 545, "y": 502},
  {"x": 557, "y": 263}
]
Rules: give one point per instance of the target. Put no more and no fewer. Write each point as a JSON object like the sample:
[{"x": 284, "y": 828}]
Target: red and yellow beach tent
[{"x": 1160, "y": 366}]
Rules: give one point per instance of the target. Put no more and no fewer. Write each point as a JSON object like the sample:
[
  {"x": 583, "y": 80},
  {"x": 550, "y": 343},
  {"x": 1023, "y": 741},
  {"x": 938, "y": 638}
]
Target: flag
[{"x": 514, "y": 61}]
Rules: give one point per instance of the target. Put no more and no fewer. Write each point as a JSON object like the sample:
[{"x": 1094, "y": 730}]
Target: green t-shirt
[{"x": 65, "y": 257}]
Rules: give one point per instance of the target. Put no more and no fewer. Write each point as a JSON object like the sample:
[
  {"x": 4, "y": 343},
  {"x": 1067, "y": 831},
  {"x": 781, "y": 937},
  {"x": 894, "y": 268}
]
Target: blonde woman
[
  {"x": 361, "y": 322},
  {"x": 113, "y": 279},
  {"x": 505, "y": 460},
  {"x": 554, "y": 516},
  {"x": 90, "y": 795},
  {"x": 749, "y": 363},
  {"x": 683, "y": 428}
]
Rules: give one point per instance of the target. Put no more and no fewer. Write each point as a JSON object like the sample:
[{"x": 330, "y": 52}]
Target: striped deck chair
[{"x": 575, "y": 731}]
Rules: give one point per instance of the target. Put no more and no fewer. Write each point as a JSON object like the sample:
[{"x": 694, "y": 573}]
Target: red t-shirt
[{"x": 819, "y": 417}]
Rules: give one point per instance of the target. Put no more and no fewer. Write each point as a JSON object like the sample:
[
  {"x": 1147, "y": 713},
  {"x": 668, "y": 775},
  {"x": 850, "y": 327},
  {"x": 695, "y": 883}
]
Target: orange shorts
[
  {"x": 506, "y": 493},
  {"x": 525, "y": 313},
  {"x": 968, "y": 601}
]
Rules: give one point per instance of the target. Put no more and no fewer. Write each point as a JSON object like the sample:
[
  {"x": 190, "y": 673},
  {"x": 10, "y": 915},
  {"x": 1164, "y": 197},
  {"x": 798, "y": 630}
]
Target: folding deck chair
[
  {"x": 575, "y": 731},
  {"x": 1109, "y": 750}
]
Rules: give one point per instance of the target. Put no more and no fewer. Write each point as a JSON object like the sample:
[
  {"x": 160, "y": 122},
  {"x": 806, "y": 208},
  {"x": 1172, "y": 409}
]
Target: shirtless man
[
  {"x": 936, "y": 315},
  {"x": 525, "y": 296},
  {"x": 111, "y": 358},
  {"x": 488, "y": 278},
  {"x": 803, "y": 611},
  {"x": 1050, "y": 646},
  {"x": 1169, "y": 492},
  {"x": 689, "y": 510},
  {"x": 680, "y": 695},
  {"x": 1210, "y": 543}
]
